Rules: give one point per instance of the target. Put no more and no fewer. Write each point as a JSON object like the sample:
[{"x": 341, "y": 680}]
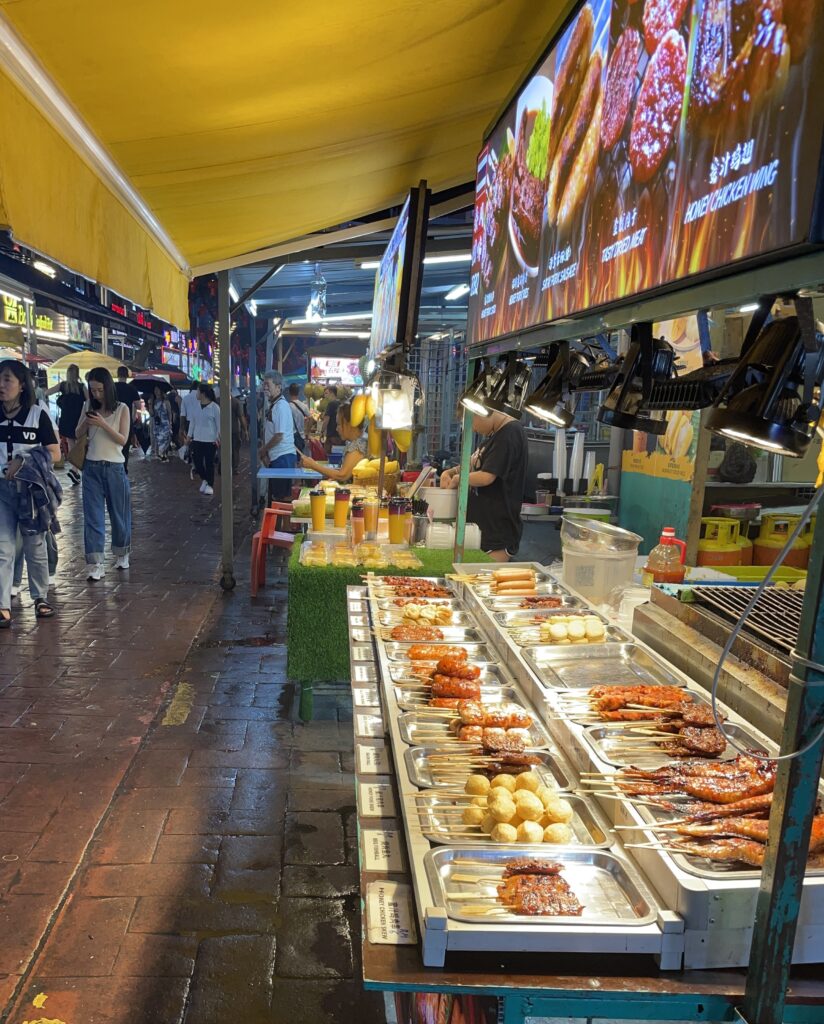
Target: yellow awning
[{"x": 246, "y": 125}]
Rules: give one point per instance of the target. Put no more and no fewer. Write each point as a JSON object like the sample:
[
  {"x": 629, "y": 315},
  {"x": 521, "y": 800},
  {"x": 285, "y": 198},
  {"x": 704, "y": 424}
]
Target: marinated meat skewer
[
  {"x": 543, "y": 894},
  {"x": 430, "y": 652},
  {"x": 463, "y": 689},
  {"x": 531, "y": 866},
  {"x": 405, "y": 633}
]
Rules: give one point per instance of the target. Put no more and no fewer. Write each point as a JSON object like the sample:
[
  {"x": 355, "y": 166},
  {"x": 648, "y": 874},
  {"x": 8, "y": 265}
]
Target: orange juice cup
[
  {"x": 341, "y": 506},
  {"x": 358, "y": 524},
  {"x": 370, "y": 517},
  {"x": 396, "y": 522},
  {"x": 317, "y": 502}
]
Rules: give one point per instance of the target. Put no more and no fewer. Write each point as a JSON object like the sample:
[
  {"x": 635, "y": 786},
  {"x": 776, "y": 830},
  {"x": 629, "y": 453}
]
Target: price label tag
[
  {"x": 364, "y": 673},
  {"x": 365, "y": 697},
  {"x": 375, "y": 800},
  {"x": 373, "y": 760},
  {"x": 369, "y": 726},
  {"x": 390, "y": 918},
  {"x": 382, "y": 849}
]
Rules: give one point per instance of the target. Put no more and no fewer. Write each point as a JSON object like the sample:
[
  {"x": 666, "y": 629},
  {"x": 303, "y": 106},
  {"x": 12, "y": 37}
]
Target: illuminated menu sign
[
  {"x": 389, "y": 280},
  {"x": 657, "y": 139},
  {"x": 14, "y": 312}
]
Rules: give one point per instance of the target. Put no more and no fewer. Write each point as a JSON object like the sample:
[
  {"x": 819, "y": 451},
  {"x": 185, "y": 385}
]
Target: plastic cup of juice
[
  {"x": 396, "y": 522},
  {"x": 358, "y": 522},
  {"x": 341, "y": 506},
  {"x": 317, "y": 502},
  {"x": 370, "y": 517}
]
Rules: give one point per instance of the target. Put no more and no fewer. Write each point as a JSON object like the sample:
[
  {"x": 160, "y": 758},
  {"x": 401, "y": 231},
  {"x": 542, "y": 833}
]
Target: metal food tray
[
  {"x": 602, "y": 740},
  {"x": 513, "y": 604},
  {"x": 475, "y": 648},
  {"x": 493, "y": 691},
  {"x": 573, "y": 705},
  {"x": 588, "y": 826},
  {"x": 451, "y": 635},
  {"x": 401, "y": 671},
  {"x": 611, "y": 890},
  {"x": 429, "y": 731},
  {"x": 387, "y": 604},
  {"x": 374, "y": 581},
  {"x": 530, "y": 637},
  {"x": 388, "y": 618},
  {"x": 575, "y": 667},
  {"x": 552, "y": 769},
  {"x": 523, "y": 618}
]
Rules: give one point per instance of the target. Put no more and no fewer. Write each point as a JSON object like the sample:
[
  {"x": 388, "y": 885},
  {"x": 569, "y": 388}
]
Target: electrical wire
[{"x": 805, "y": 515}]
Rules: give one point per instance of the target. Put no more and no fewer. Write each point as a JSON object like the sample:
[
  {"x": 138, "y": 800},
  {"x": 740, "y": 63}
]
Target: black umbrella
[{"x": 146, "y": 385}]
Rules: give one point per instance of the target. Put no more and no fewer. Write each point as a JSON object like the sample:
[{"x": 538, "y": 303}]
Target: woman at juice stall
[{"x": 354, "y": 449}]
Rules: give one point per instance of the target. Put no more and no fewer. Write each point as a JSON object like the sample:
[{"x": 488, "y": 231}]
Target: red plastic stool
[{"x": 268, "y": 536}]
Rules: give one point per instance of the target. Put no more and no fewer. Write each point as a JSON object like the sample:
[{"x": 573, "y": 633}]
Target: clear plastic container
[
  {"x": 597, "y": 557},
  {"x": 595, "y": 536}
]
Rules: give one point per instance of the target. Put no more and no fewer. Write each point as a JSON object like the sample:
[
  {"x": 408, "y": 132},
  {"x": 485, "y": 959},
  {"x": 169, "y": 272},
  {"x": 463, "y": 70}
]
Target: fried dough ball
[
  {"x": 516, "y": 819},
  {"x": 528, "y": 805},
  {"x": 527, "y": 780},
  {"x": 530, "y": 832},
  {"x": 557, "y": 833},
  {"x": 478, "y": 801},
  {"x": 487, "y": 824},
  {"x": 501, "y": 809},
  {"x": 545, "y": 794},
  {"x": 477, "y": 785},
  {"x": 559, "y": 810},
  {"x": 473, "y": 815},
  {"x": 503, "y": 833},
  {"x": 504, "y": 781}
]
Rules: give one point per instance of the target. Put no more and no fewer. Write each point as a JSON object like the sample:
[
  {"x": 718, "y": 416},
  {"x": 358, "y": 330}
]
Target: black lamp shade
[
  {"x": 508, "y": 394},
  {"x": 647, "y": 360}
]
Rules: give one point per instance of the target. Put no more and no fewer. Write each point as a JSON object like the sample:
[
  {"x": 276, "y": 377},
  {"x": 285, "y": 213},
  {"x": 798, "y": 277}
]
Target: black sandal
[
  {"x": 42, "y": 609},
  {"x": 5, "y": 623}
]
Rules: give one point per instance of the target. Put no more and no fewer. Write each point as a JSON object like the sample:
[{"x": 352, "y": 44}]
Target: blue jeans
[
  {"x": 106, "y": 486},
  {"x": 33, "y": 546},
  {"x": 51, "y": 549},
  {"x": 279, "y": 489}
]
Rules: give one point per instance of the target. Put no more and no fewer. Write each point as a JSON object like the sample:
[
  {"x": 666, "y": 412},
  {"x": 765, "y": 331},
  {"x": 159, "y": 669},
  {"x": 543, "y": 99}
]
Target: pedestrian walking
[
  {"x": 107, "y": 423},
  {"x": 161, "y": 423},
  {"x": 204, "y": 437},
  {"x": 278, "y": 450},
  {"x": 71, "y": 397},
  {"x": 24, "y": 427}
]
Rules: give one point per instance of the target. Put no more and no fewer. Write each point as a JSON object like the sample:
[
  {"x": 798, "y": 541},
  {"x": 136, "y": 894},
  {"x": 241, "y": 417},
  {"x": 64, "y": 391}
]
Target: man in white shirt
[
  {"x": 278, "y": 448},
  {"x": 190, "y": 406},
  {"x": 204, "y": 437}
]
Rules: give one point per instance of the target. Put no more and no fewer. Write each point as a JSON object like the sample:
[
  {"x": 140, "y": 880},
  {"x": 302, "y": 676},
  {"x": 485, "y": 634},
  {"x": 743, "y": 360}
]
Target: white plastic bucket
[
  {"x": 596, "y": 575},
  {"x": 442, "y": 504}
]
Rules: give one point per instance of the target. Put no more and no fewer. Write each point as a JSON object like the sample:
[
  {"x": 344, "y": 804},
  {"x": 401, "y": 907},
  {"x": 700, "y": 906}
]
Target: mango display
[
  {"x": 358, "y": 410},
  {"x": 403, "y": 439},
  {"x": 371, "y": 467},
  {"x": 373, "y": 439}
]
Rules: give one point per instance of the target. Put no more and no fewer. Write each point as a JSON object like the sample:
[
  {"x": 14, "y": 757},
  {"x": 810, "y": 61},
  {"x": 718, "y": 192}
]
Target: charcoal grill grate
[{"x": 776, "y": 616}]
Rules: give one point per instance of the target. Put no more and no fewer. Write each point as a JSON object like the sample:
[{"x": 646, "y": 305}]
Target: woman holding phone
[{"x": 105, "y": 483}]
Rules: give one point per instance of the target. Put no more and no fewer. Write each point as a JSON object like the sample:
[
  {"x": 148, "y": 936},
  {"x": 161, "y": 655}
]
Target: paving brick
[
  {"x": 211, "y": 798},
  {"x": 129, "y": 836},
  {"x": 325, "y": 1002},
  {"x": 119, "y": 999},
  {"x": 23, "y": 920},
  {"x": 187, "y": 850},
  {"x": 320, "y": 736},
  {"x": 340, "y": 797},
  {"x": 323, "y": 882},
  {"x": 201, "y": 917},
  {"x": 313, "y": 940},
  {"x": 156, "y": 956},
  {"x": 249, "y": 869},
  {"x": 158, "y": 768},
  {"x": 33, "y": 878},
  {"x": 147, "y": 880},
  {"x": 314, "y": 838},
  {"x": 222, "y": 992},
  {"x": 86, "y": 938}
]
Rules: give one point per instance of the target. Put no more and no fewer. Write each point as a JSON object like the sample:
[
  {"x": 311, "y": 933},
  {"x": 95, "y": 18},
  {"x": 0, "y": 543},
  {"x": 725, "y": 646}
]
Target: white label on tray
[
  {"x": 364, "y": 673},
  {"x": 365, "y": 697},
  {"x": 375, "y": 800},
  {"x": 373, "y": 760},
  {"x": 369, "y": 725},
  {"x": 389, "y": 915},
  {"x": 382, "y": 849}
]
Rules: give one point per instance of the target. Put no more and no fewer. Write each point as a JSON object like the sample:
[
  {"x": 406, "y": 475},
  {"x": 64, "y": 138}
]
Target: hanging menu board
[{"x": 657, "y": 139}]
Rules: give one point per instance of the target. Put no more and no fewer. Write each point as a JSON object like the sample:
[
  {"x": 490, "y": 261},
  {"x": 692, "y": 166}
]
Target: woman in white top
[
  {"x": 204, "y": 436},
  {"x": 105, "y": 483}
]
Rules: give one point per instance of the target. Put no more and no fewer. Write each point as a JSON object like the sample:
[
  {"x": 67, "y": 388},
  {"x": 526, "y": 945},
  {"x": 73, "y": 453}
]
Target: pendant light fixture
[
  {"x": 508, "y": 393},
  {"x": 547, "y": 401},
  {"x": 648, "y": 360},
  {"x": 772, "y": 399},
  {"x": 476, "y": 395}
]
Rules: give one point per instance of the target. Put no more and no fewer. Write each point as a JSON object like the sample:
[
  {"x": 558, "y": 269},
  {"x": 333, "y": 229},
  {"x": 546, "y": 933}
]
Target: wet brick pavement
[{"x": 174, "y": 844}]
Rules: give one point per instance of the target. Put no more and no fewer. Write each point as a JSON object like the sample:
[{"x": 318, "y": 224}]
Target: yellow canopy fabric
[
  {"x": 245, "y": 125},
  {"x": 85, "y": 360}
]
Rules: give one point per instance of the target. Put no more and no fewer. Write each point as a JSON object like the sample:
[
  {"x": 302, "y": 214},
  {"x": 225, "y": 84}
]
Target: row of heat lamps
[{"x": 769, "y": 397}]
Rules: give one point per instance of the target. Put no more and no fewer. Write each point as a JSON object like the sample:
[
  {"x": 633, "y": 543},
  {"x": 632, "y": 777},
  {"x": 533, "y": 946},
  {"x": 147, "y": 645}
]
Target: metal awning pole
[
  {"x": 227, "y": 524},
  {"x": 253, "y": 422},
  {"x": 793, "y": 807},
  {"x": 463, "y": 488}
]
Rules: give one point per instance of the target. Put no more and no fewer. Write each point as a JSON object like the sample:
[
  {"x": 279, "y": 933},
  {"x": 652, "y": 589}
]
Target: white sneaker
[
  {"x": 207, "y": 489},
  {"x": 52, "y": 582},
  {"x": 96, "y": 571},
  {"x": 15, "y": 591},
  {"x": 203, "y": 486},
  {"x": 122, "y": 562}
]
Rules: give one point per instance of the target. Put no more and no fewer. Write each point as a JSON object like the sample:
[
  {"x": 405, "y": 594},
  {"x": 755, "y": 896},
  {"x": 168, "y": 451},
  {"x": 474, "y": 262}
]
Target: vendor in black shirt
[{"x": 496, "y": 483}]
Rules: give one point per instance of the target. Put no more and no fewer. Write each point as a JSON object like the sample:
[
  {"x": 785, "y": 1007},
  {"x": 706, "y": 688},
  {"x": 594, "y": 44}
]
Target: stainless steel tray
[
  {"x": 609, "y": 744},
  {"x": 430, "y": 731},
  {"x": 387, "y": 604},
  {"x": 476, "y": 649},
  {"x": 514, "y": 604},
  {"x": 394, "y": 618},
  {"x": 374, "y": 581},
  {"x": 530, "y": 636},
  {"x": 401, "y": 671},
  {"x": 552, "y": 769},
  {"x": 439, "y": 823},
  {"x": 611, "y": 890},
  {"x": 462, "y": 635},
  {"x": 493, "y": 691},
  {"x": 520, "y": 618},
  {"x": 625, "y": 664}
]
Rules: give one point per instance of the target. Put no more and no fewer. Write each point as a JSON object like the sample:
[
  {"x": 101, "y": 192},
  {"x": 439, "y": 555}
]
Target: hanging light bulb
[
  {"x": 508, "y": 393},
  {"x": 647, "y": 360},
  {"x": 547, "y": 400},
  {"x": 316, "y": 310},
  {"x": 393, "y": 401}
]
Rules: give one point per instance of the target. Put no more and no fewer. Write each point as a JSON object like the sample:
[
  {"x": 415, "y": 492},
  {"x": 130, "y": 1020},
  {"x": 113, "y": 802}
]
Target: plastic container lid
[{"x": 597, "y": 537}]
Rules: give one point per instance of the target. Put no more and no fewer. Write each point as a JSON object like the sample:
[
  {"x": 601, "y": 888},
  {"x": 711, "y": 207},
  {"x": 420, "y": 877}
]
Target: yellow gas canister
[
  {"x": 775, "y": 529},
  {"x": 718, "y": 544},
  {"x": 745, "y": 547}
]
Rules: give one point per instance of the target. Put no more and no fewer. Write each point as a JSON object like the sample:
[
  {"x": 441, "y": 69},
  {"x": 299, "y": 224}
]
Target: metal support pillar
[
  {"x": 30, "y": 343},
  {"x": 793, "y": 807},
  {"x": 253, "y": 423},
  {"x": 270, "y": 345},
  {"x": 280, "y": 353},
  {"x": 463, "y": 487},
  {"x": 227, "y": 524},
  {"x": 104, "y": 330}
]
